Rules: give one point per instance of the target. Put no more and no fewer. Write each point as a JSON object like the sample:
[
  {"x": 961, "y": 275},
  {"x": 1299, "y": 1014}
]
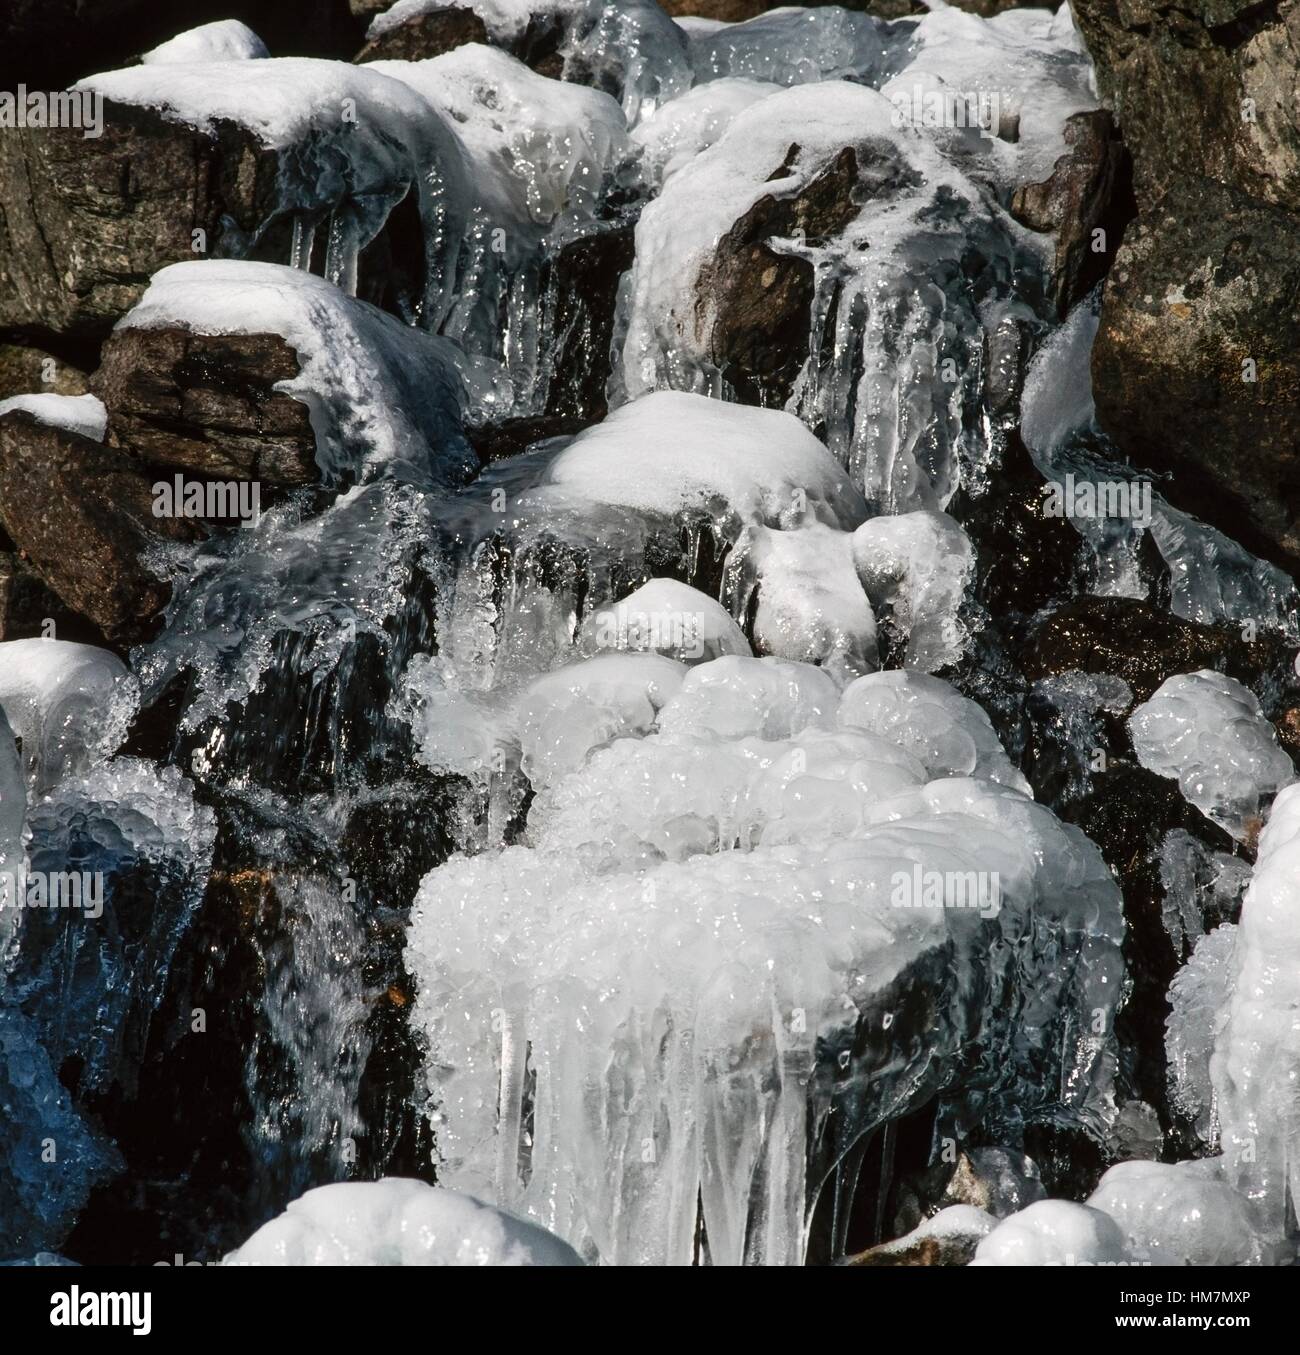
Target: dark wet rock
[
  {"x": 580, "y": 287},
  {"x": 81, "y": 515},
  {"x": 425, "y": 35},
  {"x": 509, "y": 437},
  {"x": 26, "y": 371},
  {"x": 29, "y": 610},
  {"x": 1202, "y": 88},
  {"x": 753, "y": 305},
  {"x": 87, "y": 221},
  {"x": 1088, "y": 191},
  {"x": 52, "y": 43},
  {"x": 207, "y": 404},
  {"x": 1197, "y": 361},
  {"x": 957, "y": 1249},
  {"x": 1132, "y": 640}
]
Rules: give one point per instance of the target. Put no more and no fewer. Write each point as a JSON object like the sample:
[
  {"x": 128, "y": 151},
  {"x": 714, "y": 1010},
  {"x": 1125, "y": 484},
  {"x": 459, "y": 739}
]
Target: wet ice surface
[{"x": 1208, "y": 732}]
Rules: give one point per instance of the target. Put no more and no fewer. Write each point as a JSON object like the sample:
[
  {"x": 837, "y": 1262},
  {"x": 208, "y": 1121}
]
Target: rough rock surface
[
  {"x": 425, "y": 35},
  {"x": 1200, "y": 331},
  {"x": 206, "y": 404},
  {"x": 754, "y": 305},
  {"x": 24, "y": 371},
  {"x": 80, "y": 515},
  {"x": 87, "y": 221},
  {"x": 1087, "y": 190},
  {"x": 1202, "y": 87}
]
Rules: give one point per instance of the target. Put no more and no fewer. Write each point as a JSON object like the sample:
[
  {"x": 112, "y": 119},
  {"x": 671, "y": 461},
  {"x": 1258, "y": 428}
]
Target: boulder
[
  {"x": 425, "y": 35},
  {"x": 1202, "y": 88},
  {"x": 1087, "y": 190},
  {"x": 207, "y": 404},
  {"x": 24, "y": 369},
  {"x": 81, "y": 516},
  {"x": 88, "y": 220},
  {"x": 1196, "y": 363}
]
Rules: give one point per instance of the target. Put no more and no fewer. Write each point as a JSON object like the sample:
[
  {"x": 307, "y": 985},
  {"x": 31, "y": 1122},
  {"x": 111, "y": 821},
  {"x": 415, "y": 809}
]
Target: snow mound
[
  {"x": 665, "y": 617},
  {"x": 396, "y": 1222},
  {"x": 1054, "y": 1233}
]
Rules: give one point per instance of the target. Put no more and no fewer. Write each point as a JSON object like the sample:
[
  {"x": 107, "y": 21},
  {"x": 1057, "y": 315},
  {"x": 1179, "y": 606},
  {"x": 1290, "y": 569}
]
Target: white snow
[
  {"x": 381, "y": 394},
  {"x": 680, "y": 130},
  {"x": 398, "y": 1222},
  {"x": 225, "y": 40},
  {"x": 84, "y": 414},
  {"x": 1208, "y": 732}
]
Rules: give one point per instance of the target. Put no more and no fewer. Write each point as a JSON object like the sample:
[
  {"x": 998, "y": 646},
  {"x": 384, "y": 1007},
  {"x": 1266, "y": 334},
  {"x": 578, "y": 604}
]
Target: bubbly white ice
[
  {"x": 1207, "y": 731},
  {"x": 398, "y": 1222},
  {"x": 665, "y": 617}
]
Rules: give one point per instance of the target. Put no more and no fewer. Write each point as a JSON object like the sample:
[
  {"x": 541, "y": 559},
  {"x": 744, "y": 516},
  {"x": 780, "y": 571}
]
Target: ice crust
[
  {"x": 1207, "y": 731},
  {"x": 397, "y": 1222}
]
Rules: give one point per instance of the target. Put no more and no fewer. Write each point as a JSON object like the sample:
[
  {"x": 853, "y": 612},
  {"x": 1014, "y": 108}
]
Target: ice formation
[
  {"x": 381, "y": 395},
  {"x": 396, "y": 1222},
  {"x": 918, "y": 565},
  {"x": 715, "y": 907},
  {"x": 899, "y": 394},
  {"x": 1198, "y": 1001},
  {"x": 1054, "y": 1233},
  {"x": 224, "y": 40},
  {"x": 84, "y": 414},
  {"x": 629, "y": 48},
  {"x": 680, "y": 130},
  {"x": 69, "y": 704},
  {"x": 353, "y": 144},
  {"x": 1207, "y": 731},
  {"x": 1256, "y": 1061},
  {"x": 669, "y": 618}
]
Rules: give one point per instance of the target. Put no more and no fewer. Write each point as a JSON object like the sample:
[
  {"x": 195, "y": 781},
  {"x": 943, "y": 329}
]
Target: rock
[
  {"x": 1205, "y": 88},
  {"x": 52, "y": 43},
  {"x": 1144, "y": 646},
  {"x": 80, "y": 514},
  {"x": 24, "y": 370},
  {"x": 948, "y": 1239},
  {"x": 425, "y": 35},
  {"x": 27, "y": 607},
  {"x": 1088, "y": 189},
  {"x": 1197, "y": 360},
  {"x": 87, "y": 221},
  {"x": 753, "y": 307},
  {"x": 206, "y": 403}
]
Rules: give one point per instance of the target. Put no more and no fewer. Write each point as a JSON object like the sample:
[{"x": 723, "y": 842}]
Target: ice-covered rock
[
  {"x": 630, "y": 49},
  {"x": 84, "y": 414},
  {"x": 70, "y": 704},
  {"x": 349, "y": 144},
  {"x": 918, "y": 565},
  {"x": 1208, "y": 732},
  {"x": 680, "y": 130},
  {"x": 768, "y": 292},
  {"x": 665, "y": 617},
  {"x": 397, "y": 1222},
  {"x": 948, "y": 733},
  {"x": 1178, "y": 1214},
  {"x": 1054, "y": 1233},
  {"x": 948, "y": 1238},
  {"x": 224, "y": 40},
  {"x": 381, "y": 395}
]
